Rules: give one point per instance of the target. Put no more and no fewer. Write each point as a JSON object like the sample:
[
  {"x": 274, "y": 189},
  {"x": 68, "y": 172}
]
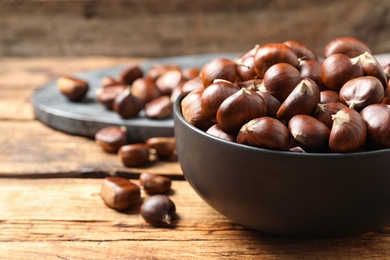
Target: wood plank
[
  {"x": 29, "y": 148},
  {"x": 66, "y": 219}
]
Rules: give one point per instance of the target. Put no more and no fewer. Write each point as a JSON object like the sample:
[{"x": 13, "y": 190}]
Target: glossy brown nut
[
  {"x": 302, "y": 100},
  {"x": 165, "y": 147},
  {"x": 312, "y": 69},
  {"x": 362, "y": 91},
  {"x": 73, "y": 88},
  {"x": 168, "y": 81},
  {"x": 216, "y": 131},
  {"x": 348, "y": 46},
  {"x": 238, "y": 109},
  {"x": 371, "y": 67},
  {"x": 111, "y": 138},
  {"x": 145, "y": 90},
  {"x": 107, "y": 95},
  {"x": 265, "y": 132},
  {"x": 158, "y": 210},
  {"x": 159, "y": 108},
  {"x": 130, "y": 74},
  {"x": 154, "y": 183},
  {"x": 192, "y": 110},
  {"x": 327, "y": 96},
  {"x": 324, "y": 112},
  {"x": 280, "y": 79},
  {"x": 271, "y": 102},
  {"x": 377, "y": 119},
  {"x": 301, "y": 50},
  {"x": 310, "y": 133},
  {"x": 158, "y": 69},
  {"x": 126, "y": 105},
  {"x": 134, "y": 155},
  {"x": 190, "y": 73},
  {"x": 190, "y": 85},
  {"x": 220, "y": 68},
  {"x": 348, "y": 132},
  {"x": 272, "y": 53},
  {"x": 110, "y": 81},
  {"x": 119, "y": 193},
  {"x": 214, "y": 95}
]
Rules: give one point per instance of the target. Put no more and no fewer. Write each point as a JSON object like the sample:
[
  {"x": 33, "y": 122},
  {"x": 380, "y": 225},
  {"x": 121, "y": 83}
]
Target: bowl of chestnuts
[{"x": 286, "y": 142}]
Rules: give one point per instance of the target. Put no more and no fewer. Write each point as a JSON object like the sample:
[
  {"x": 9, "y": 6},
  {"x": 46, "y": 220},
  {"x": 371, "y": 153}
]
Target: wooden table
[{"x": 50, "y": 207}]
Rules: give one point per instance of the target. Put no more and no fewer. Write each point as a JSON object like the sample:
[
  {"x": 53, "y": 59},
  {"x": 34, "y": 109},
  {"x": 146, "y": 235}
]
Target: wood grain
[{"x": 80, "y": 226}]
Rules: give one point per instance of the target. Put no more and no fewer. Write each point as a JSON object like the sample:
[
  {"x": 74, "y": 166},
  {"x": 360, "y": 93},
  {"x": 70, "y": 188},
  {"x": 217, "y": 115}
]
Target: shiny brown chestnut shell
[
  {"x": 272, "y": 103},
  {"x": 145, "y": 90},
  {"x": 265, "y": 132},
  {"x": 220, "y": 68},
  {"x": 111, "y": 138},
  {"x": 377, "y": 119},
  {"x": 312, "y": 69},
  {"x": 126, "y": 105},
  {"x": 324, "y": 112},
  {"x": 216, "y": 131},
  {"x": 371, "y": 67},
  {"x": 107, "y": 95},
  {"x": 348, "y": 46},
  {"x": 327, "y": 96},
  {"x": 130, "y": 74},
  {"x": 301, "y": 50}
]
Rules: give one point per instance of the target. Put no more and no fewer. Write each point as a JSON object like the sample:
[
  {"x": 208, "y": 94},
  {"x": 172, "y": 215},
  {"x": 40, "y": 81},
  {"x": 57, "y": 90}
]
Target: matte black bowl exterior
[{"x": 285, "y": 193}]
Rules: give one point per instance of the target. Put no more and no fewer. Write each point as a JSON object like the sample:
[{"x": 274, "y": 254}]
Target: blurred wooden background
[{"x": 155, "y": 28}]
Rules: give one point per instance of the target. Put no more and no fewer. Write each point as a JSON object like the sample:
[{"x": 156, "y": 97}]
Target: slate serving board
[{"x": 85, "y": 118}]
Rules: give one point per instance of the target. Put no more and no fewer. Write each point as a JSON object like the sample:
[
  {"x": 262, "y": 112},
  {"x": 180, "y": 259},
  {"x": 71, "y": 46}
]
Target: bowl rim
[{"x": 178, "y": 115}]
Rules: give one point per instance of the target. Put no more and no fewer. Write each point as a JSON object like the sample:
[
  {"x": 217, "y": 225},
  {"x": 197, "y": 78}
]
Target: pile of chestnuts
[{"x": 282, "y": 96}]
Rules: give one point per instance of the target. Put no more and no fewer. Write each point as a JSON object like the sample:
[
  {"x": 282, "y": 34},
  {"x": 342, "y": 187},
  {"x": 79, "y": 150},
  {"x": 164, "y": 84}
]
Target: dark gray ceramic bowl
[{"x": 285, "y": 193}]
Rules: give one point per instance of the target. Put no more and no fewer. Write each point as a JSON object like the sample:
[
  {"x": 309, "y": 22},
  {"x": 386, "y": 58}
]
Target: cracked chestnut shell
[
  {"x": 348, "y": 132},
  {"x": 265, "y": 132},
  {"x": 238, "y": 109}
]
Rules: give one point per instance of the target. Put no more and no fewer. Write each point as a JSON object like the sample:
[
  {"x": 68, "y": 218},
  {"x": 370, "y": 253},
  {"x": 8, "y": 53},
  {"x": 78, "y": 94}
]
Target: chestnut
[
  {"x": 348, "y": 132},
  {"x": 158, "y": 210},
  {"x": 214, "y": 95},
  {"x": 301, "y": 50},
  {"x": 190, "y": 73},
  {"x": 190, "y": 85},
  {"x": 107, "y": 95},
  {"x": 238, "y": 109},
  {"x": 360, "y": 92},
  {"x": 377, "y": 119},
  {"x": 192, "y": 111},
  {"x": 154, "y": 183},
  {"x": 271, "y": 54},
  {"x": 216, "y": 131},
  {"x": 134, "y": 155},
  {"x": 165, "y": 147},
  {"x": 126, "y": 105},
  {"x": 159, "y": 108},
  {"x": 280, "y": 79},
  {"x": 220, "y": 68},
  {"x": 158, "y": 69},
  {"x": 120, "y": 193},
  {"x": 327, "y": 96},
  {"x": 271, "y": 102},
  {"x": 246, "y": 69},
  {"x": 324, "y": 112},
  {"x": 265, "y": 132},
  {"x": 168, "y": 81},
  {"x": 145, "y": 90},
  {"x": 348, "y": 46},
  {"x": 130, "y": 74},
  {"x": 312, "y": 69},
  {"x": 371, "y": 67},
  {"x": 310, "y": 133},
  {"x": 73, "y": 88},
  {"x": 338, "y": 69},
  {"x": 302, "y": 100},
  {"x": 111, "y": 138}
]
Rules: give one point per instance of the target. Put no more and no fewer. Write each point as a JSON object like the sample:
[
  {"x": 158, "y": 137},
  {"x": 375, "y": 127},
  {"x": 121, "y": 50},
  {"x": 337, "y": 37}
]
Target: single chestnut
[
  {"x": 327, "y": 96},
  {"x": 371, "y": 67},
  {"x": 280, "y": 79},
  {"x": 348, "y": 132},
  {"x": 107, "y": 95},
  {"x": 360, "y": 92},
  {"x": 272, "y": 53},
  {"x": 158, "y": 69},
  {"x": 154, "y": 183},
  {"x": 220, "y": 68},
  {"x": 190, "y": 73},
  {"x": 265, "y": 132},
  {"x": 159, "y": 108},
  {"x": 301, "y": 50},
  {"x": 271, "y": 102},
  {"x": 324, "y": 112},
  {"x": 216, "y": 131},
  {"x": 238, "y": 109},
  {"x": 165, "y": 147},
  {"x": 246, "y": 65},
  {"x": 377, "y": 119},
  {"x": 120, "y": 193},
  {"x": 302, "y": 100},
  {"x": 145, "y": 90},
  {"x": 190, "y": 85},
  {"x": 214, "y": 95},
  {"x": 192, "y": 111},
  {"x": 158, "y": 210},
  {"x": 338, "y": 69},
  {"x": 130, "y": 73},
  {"x": 311, "y": 134},
  {"x": 126, "y": 105},
  {"x": 312, "y": 69},
  {"x": 73, "y": 88},
  {"x": 111, "y": 138},
  {"x": 348, "y": 46},
  {"x": 134, "y": 155},
  {"x": 168, "y": 81}
]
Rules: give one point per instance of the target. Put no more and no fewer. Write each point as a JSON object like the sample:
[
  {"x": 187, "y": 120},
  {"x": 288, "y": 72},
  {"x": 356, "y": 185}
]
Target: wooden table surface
[{"x": 50, "y": 207}]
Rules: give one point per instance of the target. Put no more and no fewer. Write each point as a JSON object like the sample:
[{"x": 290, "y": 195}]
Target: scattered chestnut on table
[
  {"x": 158, "y": 210},
  {"x": 73, "y": 88},
  {"x": 120, "y": 193}
]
